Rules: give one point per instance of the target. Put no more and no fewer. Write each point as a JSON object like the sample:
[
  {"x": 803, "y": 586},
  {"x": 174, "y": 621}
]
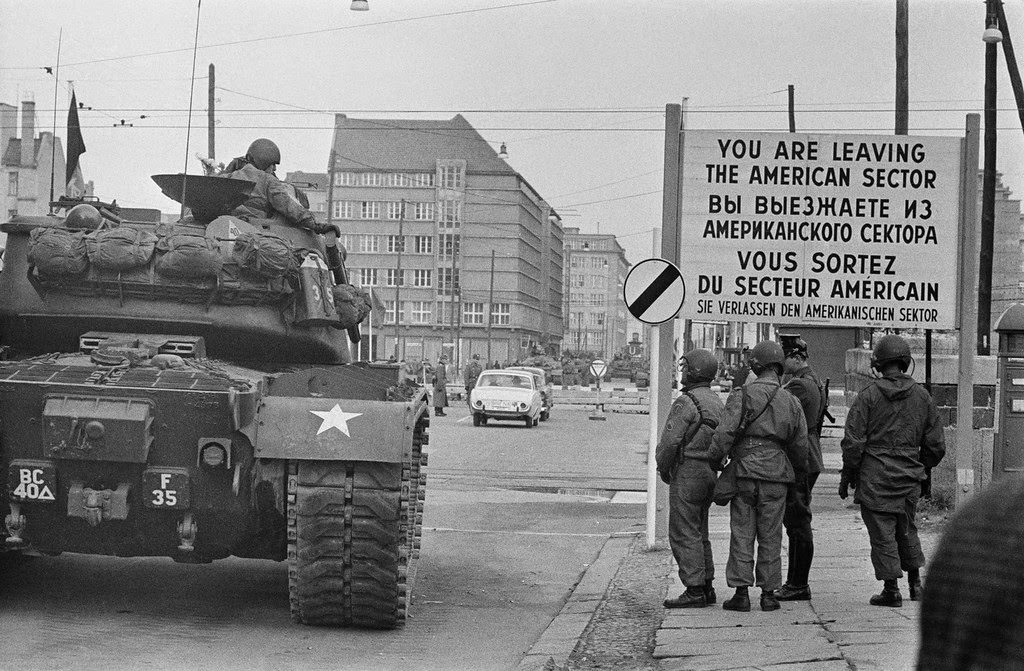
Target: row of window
[
  {"x": 593, "y": 319},
  {"x": 422, "y": 312},
  {"x": 382, "y": 209},
  {"x": 447, "y": 278},
  {"x": 448, "y": 177},
  {"x": 593, "y": 281},
  {"x": 577, "y": 298},
  {"x": 392, "y": 244},
  {"x": 588, "y": 262}
]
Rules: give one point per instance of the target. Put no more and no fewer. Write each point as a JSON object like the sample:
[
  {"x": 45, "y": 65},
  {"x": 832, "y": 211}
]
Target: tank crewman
[
  {"x": 440, "y": 382},
  {"x": 802, "y": 382},
  {"x": 892, "y": 435},
  {"x": 472, "y": 372},
  {"x": 764, "y": 430},
  {"x": 682, "y": 458},
  {"x": 270, "y": 196}
]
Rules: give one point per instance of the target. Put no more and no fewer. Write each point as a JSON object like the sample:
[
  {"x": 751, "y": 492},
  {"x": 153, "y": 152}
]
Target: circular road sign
[
  {"x": 598, "y": 368},
  {"x": 654, "y": 291}
]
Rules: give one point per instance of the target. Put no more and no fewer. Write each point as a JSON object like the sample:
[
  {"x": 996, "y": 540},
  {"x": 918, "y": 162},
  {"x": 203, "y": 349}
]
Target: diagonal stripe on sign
[{"x": 662, "y": 282}]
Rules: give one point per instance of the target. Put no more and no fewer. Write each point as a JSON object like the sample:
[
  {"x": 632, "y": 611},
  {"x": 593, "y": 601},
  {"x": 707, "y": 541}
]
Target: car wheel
[
  {"x": 536, "y": 421},
  {"x": 544, "y": 416},
  {"x": 476, "y": 419},
  {"x": 483, "y": 420},
  {"x": 528, "y": 421}
]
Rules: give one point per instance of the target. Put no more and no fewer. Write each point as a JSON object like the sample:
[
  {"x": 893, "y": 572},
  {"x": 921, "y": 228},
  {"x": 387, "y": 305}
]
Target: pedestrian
[
  {"x": 801, "y": 381},
  {"x": 764, "y": 431},
  {"x": 743, "y": 374},
  {"x": 682, "y": 458},
  {"x": 970, "y": 613},
  {"x": 472, "y": 372},
  {"x": 440, "y": 382},
  {"x": 892, "y": 435}
]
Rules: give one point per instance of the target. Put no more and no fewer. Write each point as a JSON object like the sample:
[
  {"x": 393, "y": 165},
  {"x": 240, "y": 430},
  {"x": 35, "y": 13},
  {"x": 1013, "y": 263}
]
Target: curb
[{"x": 559, "y": 640}]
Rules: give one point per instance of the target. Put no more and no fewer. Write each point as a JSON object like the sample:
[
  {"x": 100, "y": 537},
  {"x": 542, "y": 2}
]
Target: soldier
[
  {"x": 440, "y": 380},
  {"x": 270, "y": 196},
  {"x": 892, "y": 434},
  {"x": 682, "y": 457},
  {"x": 472, "y": 372},
  {"x": 763, "y": 429},
  {"x": 803, "y": 383}
]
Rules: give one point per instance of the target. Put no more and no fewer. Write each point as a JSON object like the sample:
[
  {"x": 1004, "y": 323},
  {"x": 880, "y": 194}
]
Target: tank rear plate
[{"x": 331, "y": 429}]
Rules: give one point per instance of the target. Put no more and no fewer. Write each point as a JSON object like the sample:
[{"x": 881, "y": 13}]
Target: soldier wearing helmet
[
  {"x": 682, "y": 458},
  {"x": 83, "y": 216},
  {"x": 892, "y": 435},
  {"x": 270, "y": 196},
  {"x": 763, "y": 429},
  {"x": 802, "y": 382}
]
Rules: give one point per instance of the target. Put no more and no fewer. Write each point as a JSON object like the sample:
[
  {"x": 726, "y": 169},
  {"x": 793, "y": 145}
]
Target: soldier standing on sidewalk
[
  {"x": 682, "y": 457},
  {"x": 763, "y": 429},
  {"x": 803, "y": 383},
  {"x": 440, "y": 384},
  {"x": 892, "y": 434}
]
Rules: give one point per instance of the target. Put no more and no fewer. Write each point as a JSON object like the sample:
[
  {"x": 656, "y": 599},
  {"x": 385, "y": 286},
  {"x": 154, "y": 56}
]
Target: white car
[
  {"x": 546, "y": 395},
  {"x": 506, "y": 395}
]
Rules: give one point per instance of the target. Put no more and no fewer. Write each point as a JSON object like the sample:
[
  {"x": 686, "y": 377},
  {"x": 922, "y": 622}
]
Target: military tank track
[{"x": 354, "y": 532}]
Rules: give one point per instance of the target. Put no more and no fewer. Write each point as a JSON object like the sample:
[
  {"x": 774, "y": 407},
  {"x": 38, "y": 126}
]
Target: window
[
  {"x": 422, "y": 179},
  {"x": 343, "y": 209},
  {"x": 472, "y": 313},
  {"x": 389, "y": 312},
  {"x": 501, "y": 314},
  {"x": 369, "y": 244},
  {"x": 451, "y": 177},
  {"x": 350, "y": 242},
  {"x": 444, "y": 281},
  {"x": 395, "y": 277},
  {"x": 372, "y": 179},
  {"x": 445, "y": 241},
  {"x": 422, "y": 311},
  {"x": 424, "y": 212},
  {"x": 576, "y": 262},
  {"x": 576, "y": 281},
  {"x": 12, "y": 184},
  {"x": 345, "y": 179},
  {"x": 367, "y": 277},
  {"x": 424, "y": 244},
  {"x": 450, "y": 213},
  {"x": 369, "y": 209},
  {"x": 394, "y": 209},
  {"x": 421, "y": 278},
  {"x": 396, "y": 244},
  {"x": 596, "y": 319}
]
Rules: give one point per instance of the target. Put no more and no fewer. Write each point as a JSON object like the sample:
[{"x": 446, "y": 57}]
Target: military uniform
[
  {"x": 440, "y": 381},
  {"x": 473, "y": 371},
  {"x": 270, "y": 196},
  {"x": 772, "y": 450},
  {"x": 682, "y": 458},
  {"x": 892, "y": 434}
]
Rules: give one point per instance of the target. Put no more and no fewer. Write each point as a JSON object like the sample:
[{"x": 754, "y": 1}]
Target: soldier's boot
[
  {"x": 914, "y": 578},
  {"x": 740, "y": 601},
  {"x": 796, "y": 587},
  {"x": 768, "y": 600},
  {"x": 709, "y": 592},
  {"x": 790, "y": 593},
  {"x": 693, "y": 597},
  {"x": 890, "y": 595}
]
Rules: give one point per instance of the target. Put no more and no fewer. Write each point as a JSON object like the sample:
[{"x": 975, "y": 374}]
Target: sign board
[
  {"x": 598, "y": 368},
  {"x": 654, "y": 291},
  {"x": 844, "y": 230}
]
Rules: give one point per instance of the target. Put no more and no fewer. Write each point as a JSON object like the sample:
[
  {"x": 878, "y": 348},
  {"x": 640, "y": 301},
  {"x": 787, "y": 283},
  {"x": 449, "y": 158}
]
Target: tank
[{"x": 208, "y": 408}]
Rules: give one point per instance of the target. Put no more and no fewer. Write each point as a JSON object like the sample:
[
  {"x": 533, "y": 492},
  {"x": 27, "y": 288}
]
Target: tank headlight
[{"x": 213, "y": 455}]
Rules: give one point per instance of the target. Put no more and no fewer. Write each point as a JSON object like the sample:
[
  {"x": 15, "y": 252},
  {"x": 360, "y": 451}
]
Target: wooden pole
[
  {"x": 968, "y": 308},
  {"x": 210, "y": 120},
  {"x": 988, "y": 192},
  {"x": 792, "y": 109}
]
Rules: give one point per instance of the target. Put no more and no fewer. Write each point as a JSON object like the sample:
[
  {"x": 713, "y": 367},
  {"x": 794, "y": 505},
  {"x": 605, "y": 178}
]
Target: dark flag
[{"x": 76, "y": 147}]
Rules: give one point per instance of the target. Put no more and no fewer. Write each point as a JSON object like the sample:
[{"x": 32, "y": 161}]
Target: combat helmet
[
  {"x": 83, "y": 216},
  {"x": 891, "y": 347},
  {"x": 263, "y": 153},
  {"x": 766, "y": 353},
  {"x": 701, "y": 365}
]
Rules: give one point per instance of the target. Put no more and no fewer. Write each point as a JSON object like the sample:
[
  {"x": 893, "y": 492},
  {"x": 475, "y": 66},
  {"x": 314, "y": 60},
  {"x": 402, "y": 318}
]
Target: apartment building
[{"x": 596, "y": 268}]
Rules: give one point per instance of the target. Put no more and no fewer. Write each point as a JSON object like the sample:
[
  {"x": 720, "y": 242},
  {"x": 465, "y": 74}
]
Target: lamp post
[{"x": 991, "y": 37}]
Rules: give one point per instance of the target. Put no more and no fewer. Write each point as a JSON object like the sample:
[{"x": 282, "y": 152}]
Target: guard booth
[{"x": 1008, "y": 447}]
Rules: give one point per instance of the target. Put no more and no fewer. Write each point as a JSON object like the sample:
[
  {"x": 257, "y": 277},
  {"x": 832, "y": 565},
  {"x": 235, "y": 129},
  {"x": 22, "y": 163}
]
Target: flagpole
[{"x": 53, "y": 140}]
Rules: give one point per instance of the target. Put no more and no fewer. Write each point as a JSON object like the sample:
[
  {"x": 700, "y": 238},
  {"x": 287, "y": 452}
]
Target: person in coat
[
  {"x": 892, "y": 435},
  {"x": 471, "y": 374},
  {"x": 764, "y": 431},
  {"x": 802, "y": 382},
  {"x": 682, "y": 458},
  {"x": 440, "y": 382}
]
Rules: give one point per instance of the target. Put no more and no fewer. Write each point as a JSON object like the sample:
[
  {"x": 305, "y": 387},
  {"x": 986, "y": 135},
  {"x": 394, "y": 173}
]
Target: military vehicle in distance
[{"x": 204, "y": 405}]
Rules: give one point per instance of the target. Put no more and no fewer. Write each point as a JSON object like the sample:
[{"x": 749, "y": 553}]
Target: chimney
[
  {"x": 8, "y": 126},
  {"x": 28, "y": 132}
]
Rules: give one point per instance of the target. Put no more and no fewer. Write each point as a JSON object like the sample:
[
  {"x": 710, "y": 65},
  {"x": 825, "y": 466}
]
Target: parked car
[
  {"x": 506, "y": 394},
  {"x": 547, "y": 397}
]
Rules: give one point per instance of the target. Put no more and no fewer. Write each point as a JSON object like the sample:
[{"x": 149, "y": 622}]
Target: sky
[{"x": 576, "y": 89}]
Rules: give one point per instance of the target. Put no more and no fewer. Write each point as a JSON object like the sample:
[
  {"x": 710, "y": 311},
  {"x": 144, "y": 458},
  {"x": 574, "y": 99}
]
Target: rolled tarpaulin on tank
[
  {"x": 265, "y": 255},
  {"x": 121, "y": 248},
  {"x": 188, "y": 256},
  {"x": 57, "y": 252}
]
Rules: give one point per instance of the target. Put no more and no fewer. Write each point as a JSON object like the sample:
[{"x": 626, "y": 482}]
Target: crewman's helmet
[
  {"x": 263, "y": 153},
  {"x": 766, "y": 353},
  {"x": 891, "y": 348},
  {"x": 701, "y": 365},
  {"x": 792, "y": 344},
  {"x": 83, "y": 216}
]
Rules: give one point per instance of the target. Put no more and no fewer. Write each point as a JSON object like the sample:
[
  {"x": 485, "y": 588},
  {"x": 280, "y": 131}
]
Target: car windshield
[{"x": 505, "y": 380}]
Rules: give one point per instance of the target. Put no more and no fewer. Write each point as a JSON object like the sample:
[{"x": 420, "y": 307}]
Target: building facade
[
  {"x": 464, "y": 254},
  {"x": 28, "y": 163},
  {"x": 596, "y": 269}
]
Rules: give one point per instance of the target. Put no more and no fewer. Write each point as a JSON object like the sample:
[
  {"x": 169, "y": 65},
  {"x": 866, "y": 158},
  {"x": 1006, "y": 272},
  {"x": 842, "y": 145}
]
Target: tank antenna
[
  {"x": 191, "y": 95},
  {"x": 53, "y": 141}
]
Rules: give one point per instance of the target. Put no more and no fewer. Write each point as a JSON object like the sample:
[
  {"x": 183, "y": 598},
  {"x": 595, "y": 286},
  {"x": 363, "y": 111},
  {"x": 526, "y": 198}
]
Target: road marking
[{"x": 514, "y": 533}]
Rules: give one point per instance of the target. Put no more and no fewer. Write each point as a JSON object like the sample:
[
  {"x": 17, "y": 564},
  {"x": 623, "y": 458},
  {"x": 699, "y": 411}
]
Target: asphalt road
[{"x": 513, "y": 517}]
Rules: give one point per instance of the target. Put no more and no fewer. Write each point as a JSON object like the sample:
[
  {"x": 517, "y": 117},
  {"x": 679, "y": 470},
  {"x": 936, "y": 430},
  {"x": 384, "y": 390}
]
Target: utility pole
[
  {"x": 210, "y": 150},
  {"x": 398, "y": 273},
  {"x": 792, "y": 109},
  {"x": 490, "y": 310},
  {"x": 451, "y": 286},
  {"x": 988, "y": 192}
]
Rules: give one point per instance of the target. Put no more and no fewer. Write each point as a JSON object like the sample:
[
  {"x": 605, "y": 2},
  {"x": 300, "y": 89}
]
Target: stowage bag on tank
[
  {"x": 188, "y": 256},
  {"x": 121, "y": 248},
  {"x": 352, "y": 305},
  {"x": 57, "y": 251},
  {"x": 264, "y": 255}
]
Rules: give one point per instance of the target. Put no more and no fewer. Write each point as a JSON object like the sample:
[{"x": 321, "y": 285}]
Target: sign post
[{"x": 598, "y": 368}]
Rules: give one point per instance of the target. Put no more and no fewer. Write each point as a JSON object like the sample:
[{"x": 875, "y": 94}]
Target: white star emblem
[{"x": 335, "y": 418}]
